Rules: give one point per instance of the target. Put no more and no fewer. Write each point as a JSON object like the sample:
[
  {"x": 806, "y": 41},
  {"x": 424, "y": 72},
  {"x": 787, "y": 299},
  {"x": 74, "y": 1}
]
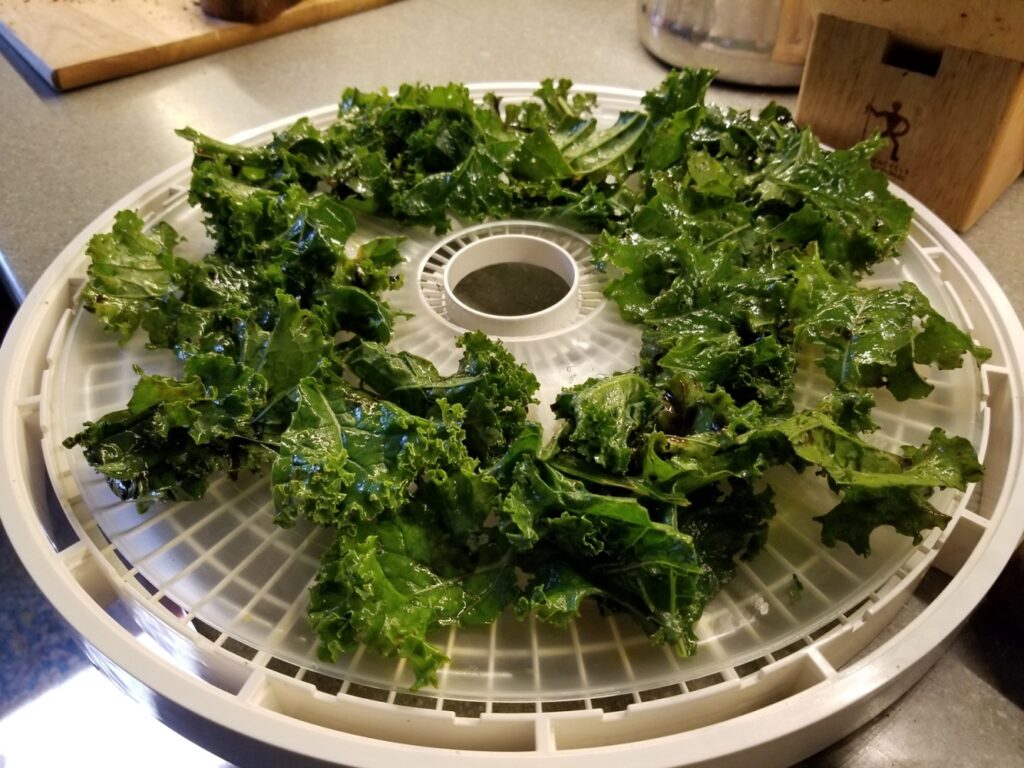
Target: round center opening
[
  {"x": 511, "y": 288},
  {"x": 511, "y": 285}
]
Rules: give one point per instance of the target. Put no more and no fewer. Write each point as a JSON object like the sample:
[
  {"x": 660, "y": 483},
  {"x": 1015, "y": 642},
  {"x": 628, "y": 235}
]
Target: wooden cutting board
[{"x": 72, "y": 43}]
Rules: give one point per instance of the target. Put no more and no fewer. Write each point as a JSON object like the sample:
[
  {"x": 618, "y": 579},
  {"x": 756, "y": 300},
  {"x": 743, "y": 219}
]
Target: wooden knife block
[{"x": 954, "y": 117}]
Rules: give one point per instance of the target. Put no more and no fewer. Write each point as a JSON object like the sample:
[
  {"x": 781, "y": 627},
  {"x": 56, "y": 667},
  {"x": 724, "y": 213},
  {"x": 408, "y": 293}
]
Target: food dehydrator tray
[{"x": 216, "y": 593}]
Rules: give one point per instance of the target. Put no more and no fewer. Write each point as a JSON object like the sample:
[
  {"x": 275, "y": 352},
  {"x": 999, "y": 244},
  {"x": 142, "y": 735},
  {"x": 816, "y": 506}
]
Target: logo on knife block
[{"x": 896, "y": 126}]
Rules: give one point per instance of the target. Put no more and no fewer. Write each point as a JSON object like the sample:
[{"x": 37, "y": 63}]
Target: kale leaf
[
  {"x": 386, "y": 585},
  {"x": 612, "y": 550},
  {"x": 601, "y": 417},
  {"x": 130, "y": 271},
  {"x": 490, "y": 385},
  {"x": 873, "y": 337},
  {"x": 176, "y": 433},
  {"x": 347, "y": 456}
]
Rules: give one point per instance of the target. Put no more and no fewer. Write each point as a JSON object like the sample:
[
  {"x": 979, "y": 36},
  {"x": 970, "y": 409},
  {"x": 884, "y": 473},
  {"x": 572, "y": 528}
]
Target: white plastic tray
[{"x": 222, "y": 590}]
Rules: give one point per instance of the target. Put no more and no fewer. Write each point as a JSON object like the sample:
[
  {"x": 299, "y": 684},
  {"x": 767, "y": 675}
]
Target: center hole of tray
[
  {"x": 511, "y": 285},
  {"x": 511, "y": 288}
]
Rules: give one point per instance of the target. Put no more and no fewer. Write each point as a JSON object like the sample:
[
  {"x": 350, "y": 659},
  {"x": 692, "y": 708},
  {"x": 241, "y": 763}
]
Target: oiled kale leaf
[
  {"x": 490, "y": 385},
  {"x": 871, "y": 337},
  {"x": 602, "y": 417},
  {"x": 386, "y": 585},
  {"x": 347, "y": 456},
  {"x": 175, "y": 433},
  {"x": 129, "y": 271},
  {"x": 888, "y": 490},
  {"x": 425, "y": 152},
  {"x": 605, "y": 546}
]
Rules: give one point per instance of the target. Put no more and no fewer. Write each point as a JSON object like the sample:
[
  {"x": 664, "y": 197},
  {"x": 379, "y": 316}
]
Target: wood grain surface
[
  {"x": 954, "y": 118},
  {"x": 72, "y": 43},
  {"x": 995, "y": 27}
]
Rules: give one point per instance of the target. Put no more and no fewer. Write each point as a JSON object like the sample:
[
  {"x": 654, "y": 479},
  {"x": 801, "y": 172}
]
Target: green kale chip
[
  {"x": 490, "y": 385},
  {"x": 602, "y": 417},
  {"x": 386, "y": 585},
  {"x": 612, "y": 549},
  {"x": 176, "y": 433},
  {"x": 872, "y": 337},
  {"x": 130, "y": 271},
  {"x": 347, "y": 456}
]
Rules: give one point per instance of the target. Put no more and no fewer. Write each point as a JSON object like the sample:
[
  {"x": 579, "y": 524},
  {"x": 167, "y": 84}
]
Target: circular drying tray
[{"x": 199, "y": 608}]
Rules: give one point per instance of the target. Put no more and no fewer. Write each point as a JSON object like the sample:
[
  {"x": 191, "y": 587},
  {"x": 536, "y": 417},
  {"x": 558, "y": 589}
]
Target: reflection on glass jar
[{"x": 755, "y": 42}]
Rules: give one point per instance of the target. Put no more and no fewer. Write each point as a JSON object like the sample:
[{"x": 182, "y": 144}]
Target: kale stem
[
  {"x": 266, "y": 409},
  {"x": 731, "y": 233}
]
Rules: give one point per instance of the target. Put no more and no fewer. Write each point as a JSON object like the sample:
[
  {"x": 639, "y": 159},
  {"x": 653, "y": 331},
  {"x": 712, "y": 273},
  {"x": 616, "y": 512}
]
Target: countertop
[{"x": 66, "y": 158}]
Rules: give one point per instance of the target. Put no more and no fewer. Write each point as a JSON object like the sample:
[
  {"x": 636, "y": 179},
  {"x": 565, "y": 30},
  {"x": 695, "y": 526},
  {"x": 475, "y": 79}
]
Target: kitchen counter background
[{"x": 66, "y": 158}]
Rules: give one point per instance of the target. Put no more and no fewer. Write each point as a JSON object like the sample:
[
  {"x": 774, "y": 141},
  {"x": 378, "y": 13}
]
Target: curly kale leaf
[
  {"x": 680, "y": 91},
  {"x": 271, "y": 238},
  {"x": 296, "y": 155},
  {"x": 295, "y": 346},
  {"x": 871, "y": 337},
  {"x": 496, "y": 407},
  {"x": 419, "y": 153},
  {"x": 556, "y": 594},
  {"x": 612, "y": 550},
  {"x": 436, "y": 560},
  {"x": 372, "y": 267},
  {"x": 708, "y": 349},
  {"x": 947, "y": 462},
  {"x": 863, "y": 509},
  {"x": 176, "y": 433},
  {"x": 272, "y": 231},
  {"x": 577, "y": 148},
  {"x": 347, "y": 456},
  {"x": 697, "y": 441},
  {"x": 686, "y": 439},
  {"x": 896, "y": 493},
  {"x": 311, "y": 475},
  {"x": 387, "y": 585},
  {"x": 727, "y": 527},
  {"x": 221, "y": 414},
  {"x": 839, "y": 199},
  {"x": 490, "y": 385},
  {"x": 428, "y": 152},
  {"x": 663, "y": 276},
  {"x": 131, "y": 271},
  {"x": 602, "y": 417},
  {"x": 353, "y": 310}
]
